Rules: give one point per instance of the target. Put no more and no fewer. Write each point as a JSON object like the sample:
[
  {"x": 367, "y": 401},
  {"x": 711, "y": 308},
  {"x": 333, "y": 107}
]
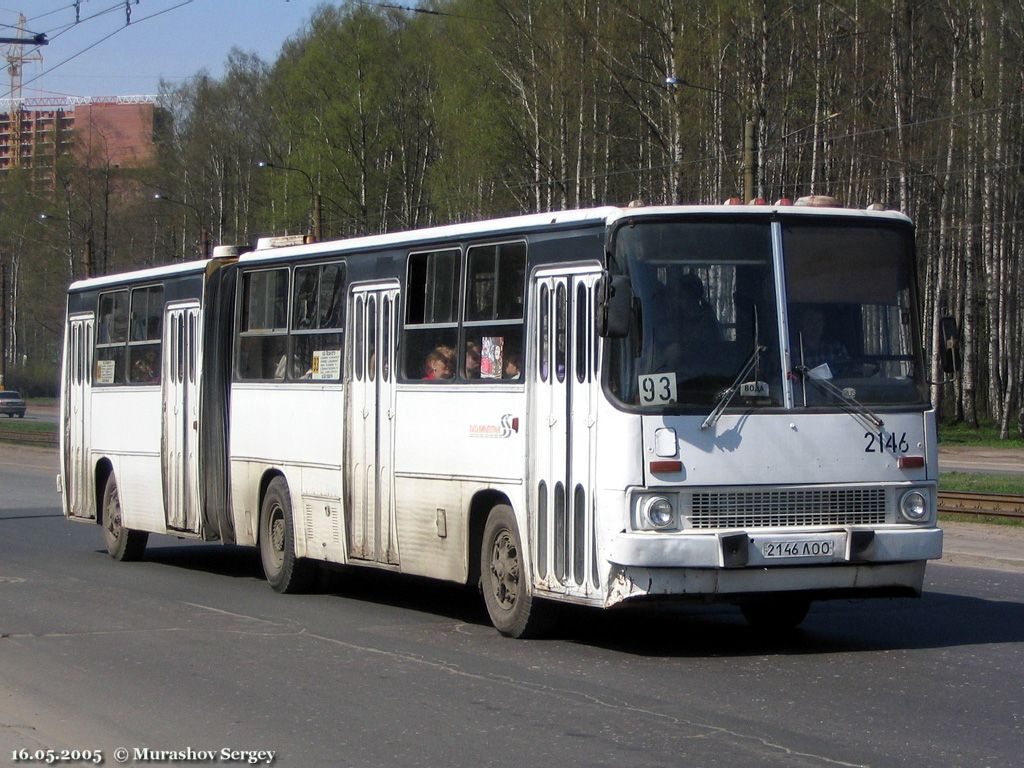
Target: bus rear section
[{"x": 142, "y": 405}]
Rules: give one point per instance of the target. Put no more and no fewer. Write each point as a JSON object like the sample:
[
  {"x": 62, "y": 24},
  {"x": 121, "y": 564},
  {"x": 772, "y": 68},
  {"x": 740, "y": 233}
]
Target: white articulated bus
[{"x": 599, "y": 406}]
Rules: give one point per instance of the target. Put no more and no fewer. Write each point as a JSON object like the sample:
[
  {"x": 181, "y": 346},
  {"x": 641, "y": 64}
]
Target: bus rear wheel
[
  {"x": 122, "y": 543},
  {"x": 504, "y": 581},
  {"x": 285, "y": 572}
]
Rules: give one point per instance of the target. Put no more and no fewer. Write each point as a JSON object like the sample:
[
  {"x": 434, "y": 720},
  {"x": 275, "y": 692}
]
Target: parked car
[{"x": 11, "y": 404}]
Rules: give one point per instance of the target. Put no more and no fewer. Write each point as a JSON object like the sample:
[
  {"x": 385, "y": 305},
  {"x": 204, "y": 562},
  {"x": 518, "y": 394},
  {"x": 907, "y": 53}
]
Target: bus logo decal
[{"x": 508, "y": 425}]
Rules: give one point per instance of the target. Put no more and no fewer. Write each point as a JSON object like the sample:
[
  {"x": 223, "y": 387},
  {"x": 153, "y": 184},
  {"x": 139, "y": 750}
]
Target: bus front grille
[{"x": 787, "y": 508}]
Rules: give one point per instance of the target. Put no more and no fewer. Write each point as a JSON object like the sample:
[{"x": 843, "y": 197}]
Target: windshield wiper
[
  {"x": 852, "y": 404},
  {"x": 726, "y": 396}
]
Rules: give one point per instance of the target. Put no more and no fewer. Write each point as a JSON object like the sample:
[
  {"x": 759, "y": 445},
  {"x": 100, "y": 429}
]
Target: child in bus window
[
  {"x": 511, "y": 370},
  {"x": 437, "y": 366},
  {"x": 472, "y": 360}
]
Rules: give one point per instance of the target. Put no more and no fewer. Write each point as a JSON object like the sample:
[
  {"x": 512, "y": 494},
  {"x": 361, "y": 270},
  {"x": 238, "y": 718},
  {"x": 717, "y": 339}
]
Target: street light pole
[
  {"x": 314, "y": 197},
  {"x": 204, "y": 233},
  {"x": 749, "y": 129}
]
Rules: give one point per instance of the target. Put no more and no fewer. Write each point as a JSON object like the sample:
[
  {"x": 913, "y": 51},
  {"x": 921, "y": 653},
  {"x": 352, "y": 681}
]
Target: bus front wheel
[
  {"x": 285, "y": 572},
  {"x": 505, "y": 582},
  {"x": 122, "y": 544}
]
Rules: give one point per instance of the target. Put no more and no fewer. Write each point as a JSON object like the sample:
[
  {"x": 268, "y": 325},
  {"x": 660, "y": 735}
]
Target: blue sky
[{"x": 169, "y": 39}]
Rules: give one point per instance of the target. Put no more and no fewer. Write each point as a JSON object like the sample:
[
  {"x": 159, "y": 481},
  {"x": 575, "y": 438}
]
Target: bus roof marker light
[{"x": 818, "y": 201}]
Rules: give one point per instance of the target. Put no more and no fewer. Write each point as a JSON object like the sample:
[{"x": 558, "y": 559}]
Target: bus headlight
[
  {"x": 656, "y": 513},
  {"x": 914, "y": 507}
]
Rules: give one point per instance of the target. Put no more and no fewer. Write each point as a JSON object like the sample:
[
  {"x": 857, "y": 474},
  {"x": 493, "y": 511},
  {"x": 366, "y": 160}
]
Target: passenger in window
[
  {"x": 472, "y": 360},
  {"x": 511, "y": 371},
  {"x": 812, "y": 345},
  {"x": 695, "y": 312},
  {"x": 305, "y": 309},
  {"x": 144, "y": 369},
  {"x": 689, "y": 324},
  {"x": 440, "y": 363}
]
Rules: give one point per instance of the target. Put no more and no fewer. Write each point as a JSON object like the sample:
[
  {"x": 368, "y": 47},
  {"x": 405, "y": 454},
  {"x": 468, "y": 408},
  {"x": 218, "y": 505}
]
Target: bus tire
[
  {"x": 776, "y": 614},
  {"x": 285, "y": 572},
  {"x": 504, "y": 581},
  {"x": 123, "y": 544}
]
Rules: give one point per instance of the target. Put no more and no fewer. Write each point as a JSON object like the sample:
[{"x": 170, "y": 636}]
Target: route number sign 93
[{"x": 657, "y": 389}]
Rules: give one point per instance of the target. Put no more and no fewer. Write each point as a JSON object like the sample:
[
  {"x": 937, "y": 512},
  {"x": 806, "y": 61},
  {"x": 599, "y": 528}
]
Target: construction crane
[{"x": 16, "y": 59}]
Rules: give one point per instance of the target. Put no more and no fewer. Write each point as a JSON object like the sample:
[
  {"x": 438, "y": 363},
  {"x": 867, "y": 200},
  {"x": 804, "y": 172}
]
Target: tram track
[
  {"x": 1005, "y": 505},
  {"x": 35, "y": 438}
]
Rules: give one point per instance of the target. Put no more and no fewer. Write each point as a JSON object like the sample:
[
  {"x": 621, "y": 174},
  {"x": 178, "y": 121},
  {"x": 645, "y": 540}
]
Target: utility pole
[
  {"x": 3, "y": 324},
  {"x": 749, "y": 162}
]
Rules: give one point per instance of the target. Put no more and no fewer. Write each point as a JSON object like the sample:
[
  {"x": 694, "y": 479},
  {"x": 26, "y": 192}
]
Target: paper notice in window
[
  {"x": 326, "y": 365},
  {"x": 105, "y": 371}
]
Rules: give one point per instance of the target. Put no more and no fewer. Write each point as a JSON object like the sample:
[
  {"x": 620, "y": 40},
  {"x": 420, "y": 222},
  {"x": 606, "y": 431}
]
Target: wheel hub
[{"x": 505, "y": 570}]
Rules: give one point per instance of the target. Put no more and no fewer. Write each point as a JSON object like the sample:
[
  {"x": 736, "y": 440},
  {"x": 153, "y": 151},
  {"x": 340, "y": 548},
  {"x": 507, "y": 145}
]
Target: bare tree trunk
[{"x": 897, "y": 52}]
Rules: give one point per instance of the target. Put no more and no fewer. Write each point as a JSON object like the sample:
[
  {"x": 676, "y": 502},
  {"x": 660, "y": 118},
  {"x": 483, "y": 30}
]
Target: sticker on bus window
[
  {"x": 492, "y": 354},
  {"x": 105, "y": 371},
  {"x": 326, "y": 365},
  {"x": 657, "y": 389}
]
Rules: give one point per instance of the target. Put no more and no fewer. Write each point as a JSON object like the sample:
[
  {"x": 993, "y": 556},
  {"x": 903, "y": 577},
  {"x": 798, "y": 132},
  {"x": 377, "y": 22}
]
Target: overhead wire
[{"x": 102, "y": 39}]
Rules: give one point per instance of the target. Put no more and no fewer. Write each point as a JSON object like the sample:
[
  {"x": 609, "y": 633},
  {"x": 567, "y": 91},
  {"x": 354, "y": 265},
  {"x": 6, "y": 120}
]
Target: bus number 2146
[{"x": 879, "y": 442}]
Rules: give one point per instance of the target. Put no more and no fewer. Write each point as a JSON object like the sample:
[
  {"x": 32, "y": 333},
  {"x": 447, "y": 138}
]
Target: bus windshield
[
  {"x": 704, "y": 306},
  {"x": 852, "y": 309},
  {"x": 705, "y": 311}
]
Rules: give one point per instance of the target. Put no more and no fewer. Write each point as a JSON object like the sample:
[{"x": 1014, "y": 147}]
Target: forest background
[{"x": 399, "y": 117}]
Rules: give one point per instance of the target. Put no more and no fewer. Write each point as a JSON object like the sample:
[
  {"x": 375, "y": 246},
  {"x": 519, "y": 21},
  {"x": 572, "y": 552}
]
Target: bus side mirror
[
  {"x": 950, "y": 335},
  {"x": 615, "y": 295}
]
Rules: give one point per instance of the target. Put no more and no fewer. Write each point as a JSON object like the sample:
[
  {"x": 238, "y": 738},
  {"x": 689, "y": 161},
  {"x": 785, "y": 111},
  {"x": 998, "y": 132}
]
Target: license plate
[{"x": 805, "y": 548}]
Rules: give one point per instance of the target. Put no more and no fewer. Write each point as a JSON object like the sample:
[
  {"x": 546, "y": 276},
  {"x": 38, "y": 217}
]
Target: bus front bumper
[
  {"x": 740, "y": 549},
  {"x": 827, "y": 563}
]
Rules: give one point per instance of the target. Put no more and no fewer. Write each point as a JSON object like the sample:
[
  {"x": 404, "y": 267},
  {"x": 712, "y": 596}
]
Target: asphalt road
[{"x": 191, "y": 649}]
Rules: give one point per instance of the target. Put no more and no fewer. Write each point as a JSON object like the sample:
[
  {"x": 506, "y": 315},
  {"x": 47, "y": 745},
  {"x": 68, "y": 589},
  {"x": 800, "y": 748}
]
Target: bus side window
[
  {"x": 431, "y": 314},
  {"x": 317, "y": 324},
  {"x": 495, "y": 281},
  {"x": 263, "y": 325},
  {"x": 111, "y": 337},
  {"x": 147, "y": 307}
]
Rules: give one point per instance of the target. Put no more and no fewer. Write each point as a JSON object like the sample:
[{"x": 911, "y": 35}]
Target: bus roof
[
  {"x": 141, "y": 275},
  {"x": 606, "y": 215}
]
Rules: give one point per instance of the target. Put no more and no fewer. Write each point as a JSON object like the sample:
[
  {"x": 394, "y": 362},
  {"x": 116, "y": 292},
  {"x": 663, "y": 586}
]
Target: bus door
[
  {"x": 563, "y": 429},
  {"x": 180, "y": 386},
  {"x": 373, "y": 321},
  {"x": 77, "y": 463}
]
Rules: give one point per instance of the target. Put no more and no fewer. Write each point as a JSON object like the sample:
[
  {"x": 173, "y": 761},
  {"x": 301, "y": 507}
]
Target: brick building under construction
[{"x": 101, "y": 132}]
